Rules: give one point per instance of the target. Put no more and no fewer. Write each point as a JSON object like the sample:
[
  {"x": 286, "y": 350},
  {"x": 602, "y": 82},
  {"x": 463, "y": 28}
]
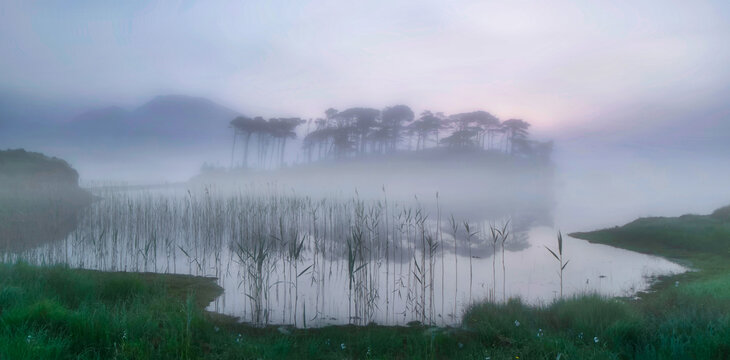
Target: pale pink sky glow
[{"x": 552, "y": 63}]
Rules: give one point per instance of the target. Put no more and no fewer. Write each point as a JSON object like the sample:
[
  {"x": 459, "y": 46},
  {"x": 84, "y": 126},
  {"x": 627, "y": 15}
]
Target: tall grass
[
  {"x": 61, "y": 313},
  {"x": 385, "y": 255},
  {"x": 57, "y": 313},
  {"x": 562, "y": 263}
]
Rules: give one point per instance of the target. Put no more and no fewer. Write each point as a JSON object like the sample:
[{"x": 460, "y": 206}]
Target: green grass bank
[{"x": 61, "y": 313}]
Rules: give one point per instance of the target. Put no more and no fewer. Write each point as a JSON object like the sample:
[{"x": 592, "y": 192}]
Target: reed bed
[{"x": 288, "y": 256}]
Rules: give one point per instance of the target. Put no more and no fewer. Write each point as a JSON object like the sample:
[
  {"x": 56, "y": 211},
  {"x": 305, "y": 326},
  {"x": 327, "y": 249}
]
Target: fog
[
  {"x": 633, "y": 96},
  {"x": 539, "y": 118}
]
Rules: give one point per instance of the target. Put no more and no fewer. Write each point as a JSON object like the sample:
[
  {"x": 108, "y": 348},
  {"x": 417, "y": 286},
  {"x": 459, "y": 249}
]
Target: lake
[{"x": 283, "y": 258}]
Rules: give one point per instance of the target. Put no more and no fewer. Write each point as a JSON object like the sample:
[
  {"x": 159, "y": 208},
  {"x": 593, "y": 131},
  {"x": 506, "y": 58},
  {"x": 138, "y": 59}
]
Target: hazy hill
[
  {"x": 172, "y": 120},
  {"x": 28, "y": 119},
  {"x": 169, "y": 119},
  {"x": 183, "y": 119},
  {"x": 96, "y": 126},
  {"x": 171, "y": 135}
]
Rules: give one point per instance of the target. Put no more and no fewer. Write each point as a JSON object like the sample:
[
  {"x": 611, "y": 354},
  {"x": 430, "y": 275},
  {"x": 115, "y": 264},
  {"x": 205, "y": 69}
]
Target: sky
[{"x": 553, "y": 63}]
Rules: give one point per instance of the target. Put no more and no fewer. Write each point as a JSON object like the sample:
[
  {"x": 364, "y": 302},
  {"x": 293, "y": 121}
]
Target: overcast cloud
[{"x": 552, "y": 63}]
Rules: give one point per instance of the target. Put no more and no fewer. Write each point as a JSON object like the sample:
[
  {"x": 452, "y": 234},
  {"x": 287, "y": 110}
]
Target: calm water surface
[{"x": 315, "y": 262}]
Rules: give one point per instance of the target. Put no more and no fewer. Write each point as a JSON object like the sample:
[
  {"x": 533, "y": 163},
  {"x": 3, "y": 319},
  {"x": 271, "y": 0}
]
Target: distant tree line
[
  {"x": 270, "y": 137},
  {"x": 358, "y": 131}
]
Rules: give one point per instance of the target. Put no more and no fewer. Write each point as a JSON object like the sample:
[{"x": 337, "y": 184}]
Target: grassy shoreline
[
  {"x": 699, "y": 242},
  {"x": 61, "y": 313}
]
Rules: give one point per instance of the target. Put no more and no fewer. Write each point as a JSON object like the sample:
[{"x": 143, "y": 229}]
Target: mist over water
[
  {"x": 408, "y": 258},
  {"x": 611, "y": 186},
  {"x": 370, "y": 237},
  {"x": 373, "y": 237},
  {"x": 346, "y": 163}
]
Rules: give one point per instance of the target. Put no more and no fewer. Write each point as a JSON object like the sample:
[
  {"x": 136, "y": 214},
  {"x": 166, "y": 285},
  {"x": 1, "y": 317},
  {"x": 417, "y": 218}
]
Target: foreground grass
[
  {"x": 56, "y": 312},
  {"x": 686, "y": 315},
  {"x": 60, "y": 313}
]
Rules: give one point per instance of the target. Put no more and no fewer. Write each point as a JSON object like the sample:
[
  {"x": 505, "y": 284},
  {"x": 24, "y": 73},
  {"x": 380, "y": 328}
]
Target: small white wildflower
[
  {"x": 328, "y": 342},
  {"x": 517, "y": 323},
  {"x": 216, "y": 329},
  {"x": 539, "y": 333},
  {"x": 580, "y": 336},
  {"x": 342, "y": 346},
  {"x": 676, "y": 284},
  {"x": 239, "y": 338},
  {"x": 29, "y": 339},
  {"x": 595, "y": 339},
  {"x": 369, "y": 352},
  {"x": 124, "y": 335}
]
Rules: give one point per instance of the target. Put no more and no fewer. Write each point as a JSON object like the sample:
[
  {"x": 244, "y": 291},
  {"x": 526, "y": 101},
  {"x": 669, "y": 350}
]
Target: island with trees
[
  {"x": 359, "y": 132},
  {"x": 366, "y": 148}
]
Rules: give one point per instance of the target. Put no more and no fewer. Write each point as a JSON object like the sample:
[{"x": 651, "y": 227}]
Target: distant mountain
[
  {"x": 167, "y": 137},
  {"x": 24, "y": 119},
  {"x": 98, "y": 117},
  {"x": 98, "y": 121},
  {"x": 180, "y": 106},
  {"x": 165, "y": 120},
  {"x": 182, "y": 118}
]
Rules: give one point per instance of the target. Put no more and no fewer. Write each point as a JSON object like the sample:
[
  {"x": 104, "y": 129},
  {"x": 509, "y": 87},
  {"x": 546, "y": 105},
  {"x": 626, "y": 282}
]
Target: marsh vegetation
[
  {"x": 56, "y": 312},
  {"x": 283, "y": 258}
]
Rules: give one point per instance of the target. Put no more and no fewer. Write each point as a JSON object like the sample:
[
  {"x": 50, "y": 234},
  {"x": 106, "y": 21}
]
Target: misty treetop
[
  {"x": 270, "y": 135},
  {"x": 360, "y": 131}
]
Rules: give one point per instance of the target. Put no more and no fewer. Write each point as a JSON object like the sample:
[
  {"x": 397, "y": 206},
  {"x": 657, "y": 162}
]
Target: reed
[
  {"x": 495, "y": 239},
  {"x": 454, "y": 230},
  {"x": 469, "y": 235},
  {"x": 367, "y": 259},
  {"x": 504, "y": 233},
  {"x": 559, "y": 257}
]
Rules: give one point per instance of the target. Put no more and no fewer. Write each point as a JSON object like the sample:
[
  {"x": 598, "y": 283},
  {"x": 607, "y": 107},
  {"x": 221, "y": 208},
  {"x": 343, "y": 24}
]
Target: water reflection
[
  {"x": 39, "y": 215},
  {"x": 283, "y": 258}
]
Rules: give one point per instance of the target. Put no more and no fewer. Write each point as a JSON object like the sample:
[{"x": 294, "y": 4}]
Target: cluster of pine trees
[{"x": 359, "y": 131}]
